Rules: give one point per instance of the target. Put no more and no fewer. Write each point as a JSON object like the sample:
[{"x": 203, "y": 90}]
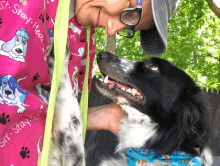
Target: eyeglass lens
[{"x": 130, "y": 17}]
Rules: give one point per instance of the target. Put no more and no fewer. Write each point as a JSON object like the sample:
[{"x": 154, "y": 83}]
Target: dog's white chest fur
[{"x": 137, "y": 127}]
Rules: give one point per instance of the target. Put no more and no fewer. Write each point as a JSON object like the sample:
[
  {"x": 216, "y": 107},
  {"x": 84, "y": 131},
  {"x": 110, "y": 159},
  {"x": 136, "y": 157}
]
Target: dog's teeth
[
  {"x": 129, "y": 90},
  {"x": 106, "y": 80},
  {"x": 123, "y": 89},
  {"x": 134, "y": 91}
]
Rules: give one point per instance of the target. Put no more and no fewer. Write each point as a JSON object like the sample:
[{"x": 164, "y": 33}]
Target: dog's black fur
[{"x": 170, "y": 98}]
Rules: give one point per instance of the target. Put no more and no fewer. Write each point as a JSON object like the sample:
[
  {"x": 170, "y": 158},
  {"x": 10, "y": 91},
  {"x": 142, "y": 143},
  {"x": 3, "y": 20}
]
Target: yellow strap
[
  {"x": 60, "y": 39},
  {"x": 85, "y": 94}
]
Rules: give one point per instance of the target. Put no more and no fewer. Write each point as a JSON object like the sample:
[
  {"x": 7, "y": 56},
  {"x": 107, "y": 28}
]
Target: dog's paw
[{"x": 25, "y": 153}]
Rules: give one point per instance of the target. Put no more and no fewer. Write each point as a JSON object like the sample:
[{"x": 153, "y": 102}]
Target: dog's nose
[
  {"x": 7, "y": 92},
  {"x": 102, "y": 55},
  {"x": 18, "y": 50}
]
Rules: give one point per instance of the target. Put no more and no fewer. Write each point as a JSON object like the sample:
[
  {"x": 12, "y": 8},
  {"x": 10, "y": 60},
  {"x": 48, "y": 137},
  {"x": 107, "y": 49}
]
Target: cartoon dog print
[
  {"x": 141, "y": 162},
  {"x": 50, "y": 32},
  {"x": 74, "y": 28},
  {"x": 81, "y": 52},
  {"x": 16, "y": 48},
  {"x": 11, "y": 94}
]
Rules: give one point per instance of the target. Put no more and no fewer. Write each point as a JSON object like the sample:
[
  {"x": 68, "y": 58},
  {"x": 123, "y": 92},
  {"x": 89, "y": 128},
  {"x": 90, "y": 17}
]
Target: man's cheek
[
  {"x": 83, "y": 17},
  {"x": 87, "y": 16}
]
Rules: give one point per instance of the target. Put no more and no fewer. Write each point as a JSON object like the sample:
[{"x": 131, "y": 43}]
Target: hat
[{"x": 154, "y": 40}]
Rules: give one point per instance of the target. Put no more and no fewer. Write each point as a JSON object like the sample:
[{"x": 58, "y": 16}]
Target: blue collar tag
[{"x": 141, "y": 157}]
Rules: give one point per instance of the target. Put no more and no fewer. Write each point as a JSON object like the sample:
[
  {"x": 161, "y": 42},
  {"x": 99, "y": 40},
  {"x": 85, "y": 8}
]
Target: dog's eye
[
  {"x": 153, "y": 67},
  {"x": 24, "y": 42}
]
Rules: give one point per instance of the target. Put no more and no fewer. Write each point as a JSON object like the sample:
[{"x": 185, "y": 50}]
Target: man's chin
[{"x": 84, "y": 16}]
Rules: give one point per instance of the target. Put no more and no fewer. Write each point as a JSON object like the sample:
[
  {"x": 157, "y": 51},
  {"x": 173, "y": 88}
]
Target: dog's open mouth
[
  {"x": 125, "y": 88},
  {"x": 116, "y": 88}
]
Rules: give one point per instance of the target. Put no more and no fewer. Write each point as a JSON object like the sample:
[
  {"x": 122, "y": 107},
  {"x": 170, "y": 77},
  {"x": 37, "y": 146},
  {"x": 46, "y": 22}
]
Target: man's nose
[{"x": 113, "y": 26}]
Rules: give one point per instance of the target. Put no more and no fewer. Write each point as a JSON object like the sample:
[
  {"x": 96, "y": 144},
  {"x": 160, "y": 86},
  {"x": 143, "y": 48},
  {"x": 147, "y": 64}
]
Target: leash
[
  {"x": 60, "y": 39},
  {"x": 85, "y": 94}
]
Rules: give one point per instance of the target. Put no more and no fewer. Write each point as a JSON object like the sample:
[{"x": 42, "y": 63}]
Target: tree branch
[{"x": 214, "y": 7}]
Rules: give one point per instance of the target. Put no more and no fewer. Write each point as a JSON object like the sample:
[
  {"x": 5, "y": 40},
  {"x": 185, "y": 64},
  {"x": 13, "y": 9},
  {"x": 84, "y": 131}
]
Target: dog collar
[{"x": 142, "y": 157}]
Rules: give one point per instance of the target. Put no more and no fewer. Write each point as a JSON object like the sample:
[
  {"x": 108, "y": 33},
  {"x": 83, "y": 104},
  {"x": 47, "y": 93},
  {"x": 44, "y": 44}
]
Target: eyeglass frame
[{"x": 137, "y": 9}]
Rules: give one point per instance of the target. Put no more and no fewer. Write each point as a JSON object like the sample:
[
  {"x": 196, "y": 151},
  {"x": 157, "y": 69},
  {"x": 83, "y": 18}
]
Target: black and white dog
[{"x": 165, "y": 111}]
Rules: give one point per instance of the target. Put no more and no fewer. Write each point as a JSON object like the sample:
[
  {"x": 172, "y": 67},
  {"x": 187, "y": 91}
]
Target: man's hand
[{"x": 105, "y": 117}]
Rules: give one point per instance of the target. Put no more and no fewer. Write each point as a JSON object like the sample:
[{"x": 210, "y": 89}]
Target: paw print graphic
[
  {"x": 47, "y": 17},
  {"x": 83, "y": 40},
  {"x": 71, "y": 57},
  {"x": 41, "y": 17},
  {"x": 35, "y": 77},
  {"x": 4, "y": 119},
  {"x": 25, "y": 152},
  {"x": 0, "y": 22},
  {"x": 81, "y": 72}
]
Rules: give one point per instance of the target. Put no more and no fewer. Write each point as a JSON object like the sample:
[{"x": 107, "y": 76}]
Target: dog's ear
[
  {"x": 9, "y": 45},
  {"x": 194, "y": 119},
  {"x": 187, "y": 128}
]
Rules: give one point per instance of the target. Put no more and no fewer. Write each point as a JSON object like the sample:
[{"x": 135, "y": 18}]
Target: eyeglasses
[{"x": 130, "y": 17}]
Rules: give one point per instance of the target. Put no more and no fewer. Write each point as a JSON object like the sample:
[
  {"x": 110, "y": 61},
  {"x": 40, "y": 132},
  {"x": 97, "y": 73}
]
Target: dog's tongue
[{"x": 119, "y": 85}]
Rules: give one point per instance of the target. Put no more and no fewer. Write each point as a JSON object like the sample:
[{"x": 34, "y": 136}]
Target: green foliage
[
  {"x": 100, "y": 46},
  {"x": 193, "y": 43}
]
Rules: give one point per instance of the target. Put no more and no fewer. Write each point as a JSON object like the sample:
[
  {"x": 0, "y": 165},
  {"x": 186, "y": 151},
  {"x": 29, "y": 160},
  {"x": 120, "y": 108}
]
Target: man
[{"x": 152, "y": 20}]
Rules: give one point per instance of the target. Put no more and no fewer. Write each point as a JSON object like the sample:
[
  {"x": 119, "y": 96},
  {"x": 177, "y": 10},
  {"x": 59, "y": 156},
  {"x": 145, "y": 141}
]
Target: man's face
[{"x": 106, "y": 14}]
